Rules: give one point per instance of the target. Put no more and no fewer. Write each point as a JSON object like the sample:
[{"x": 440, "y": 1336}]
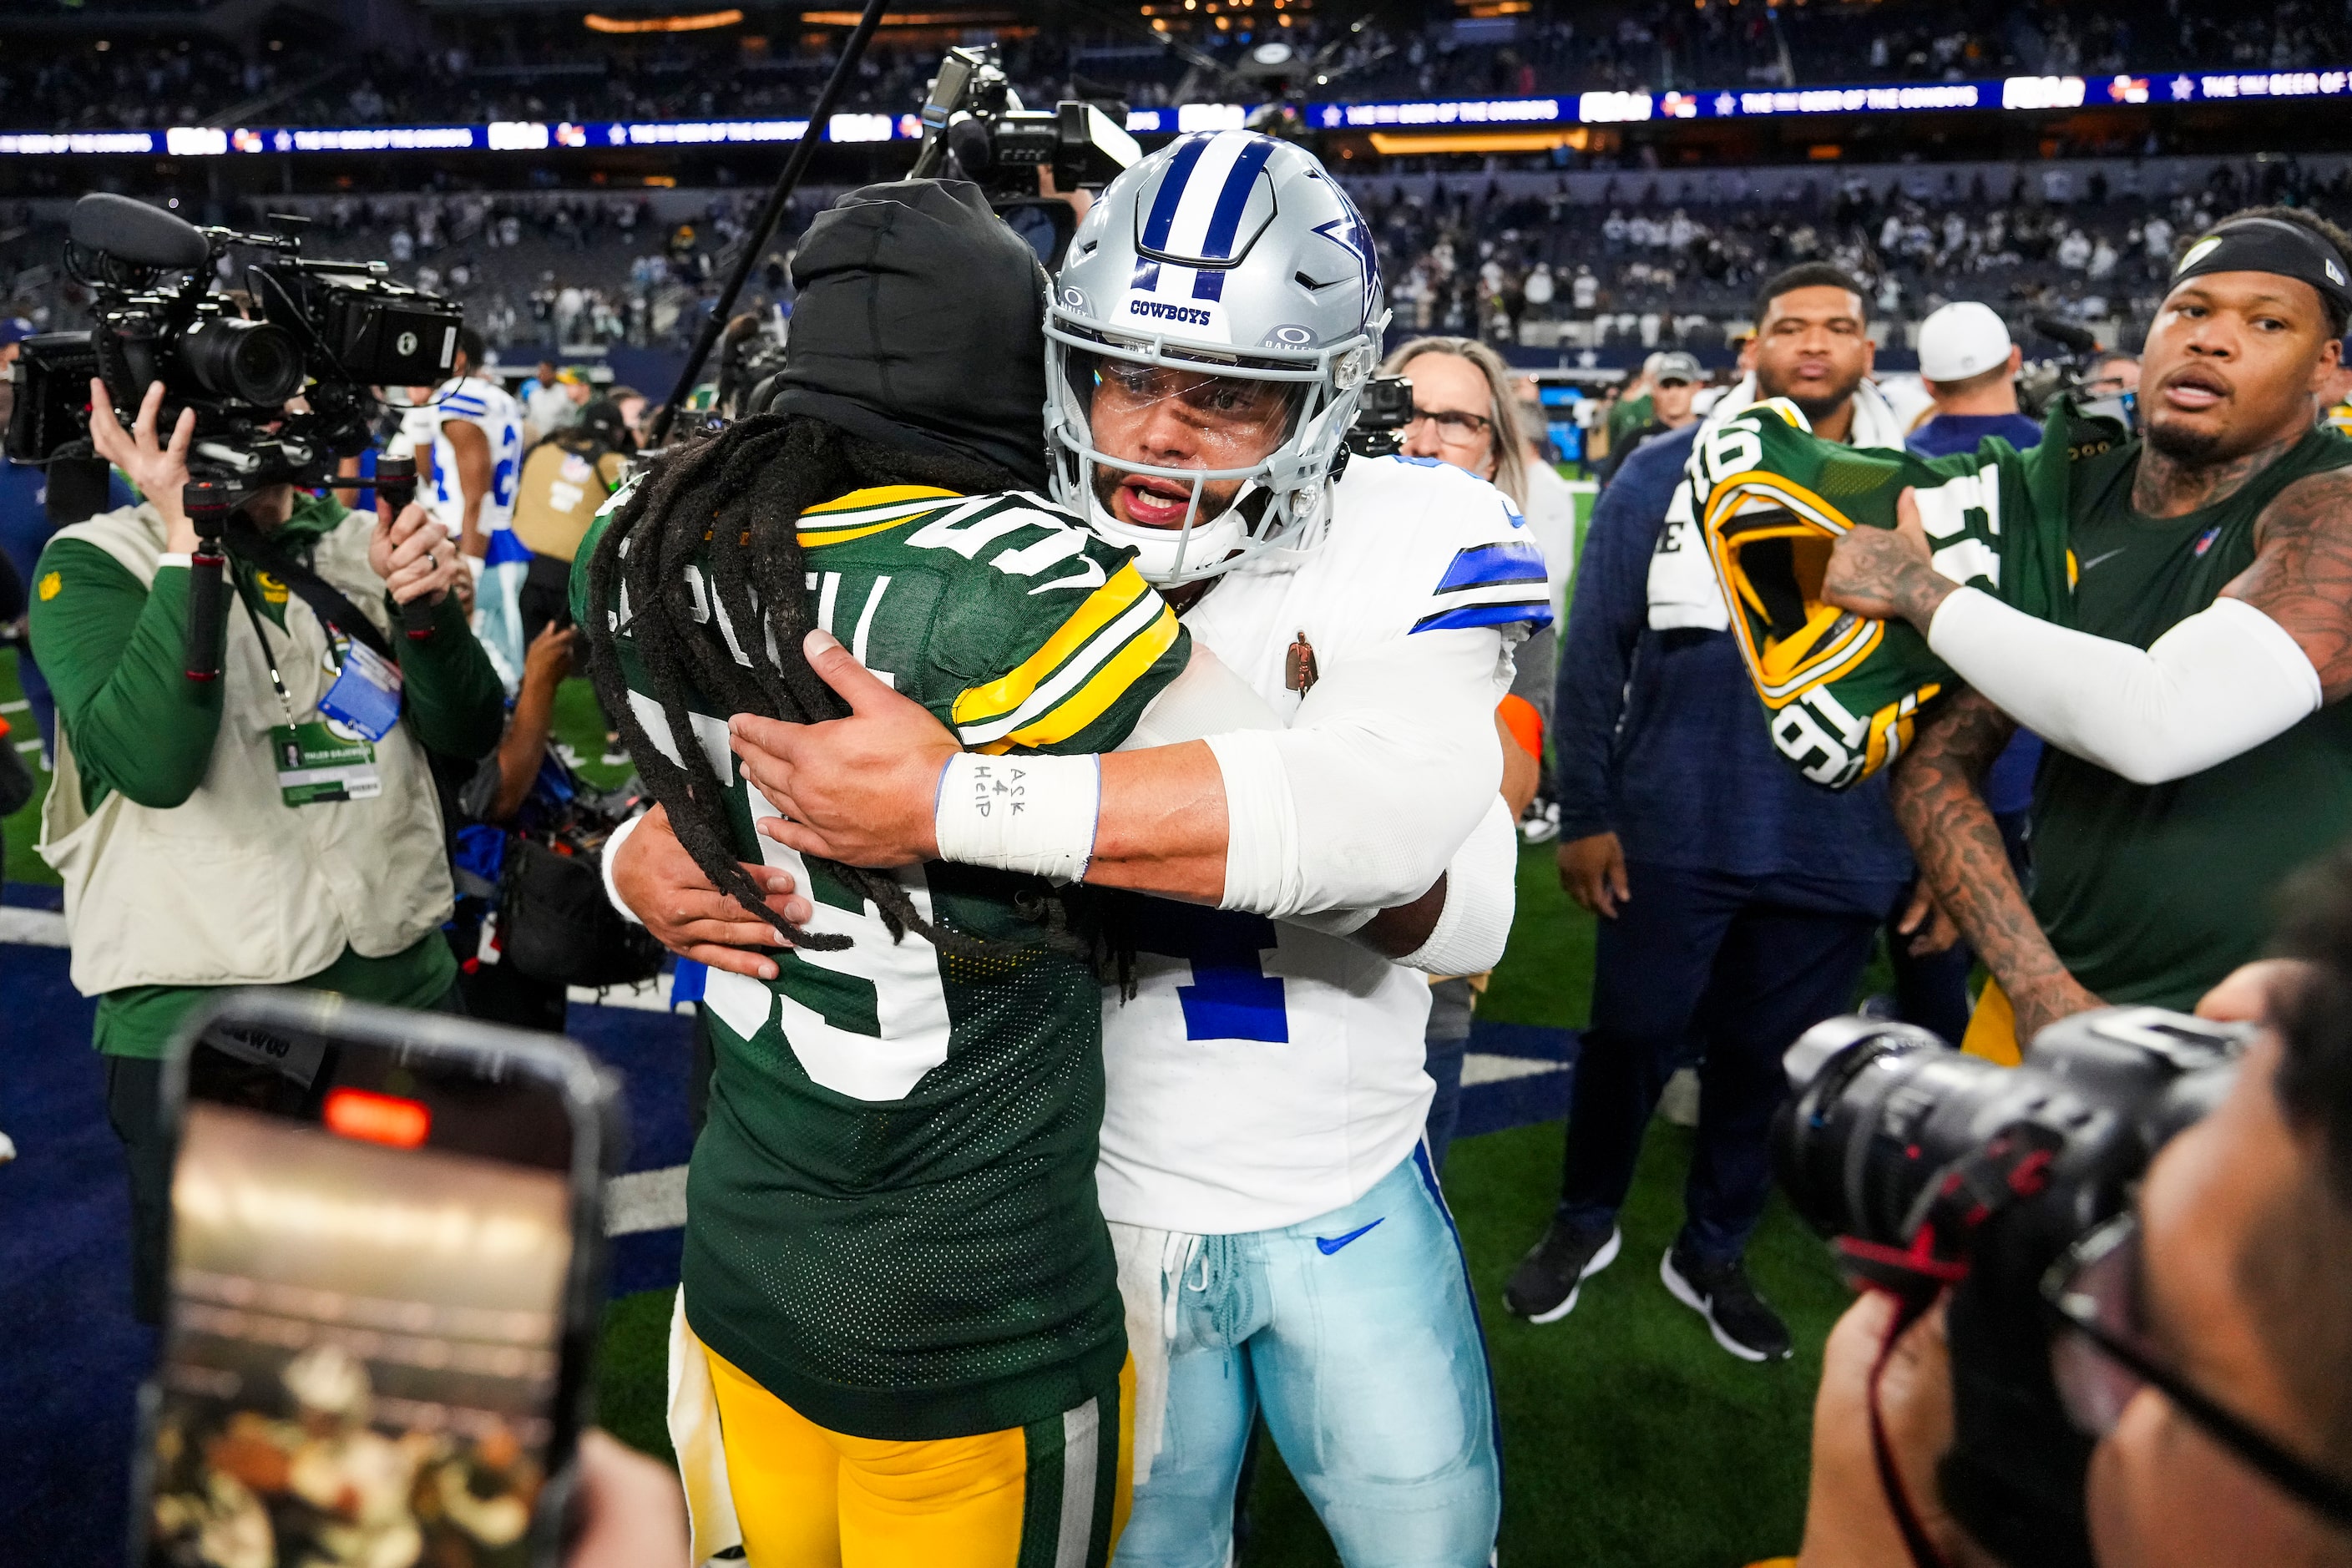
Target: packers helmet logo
[
  {"x": 273, "y": 592},
  {"x": 52, "y": 585}
]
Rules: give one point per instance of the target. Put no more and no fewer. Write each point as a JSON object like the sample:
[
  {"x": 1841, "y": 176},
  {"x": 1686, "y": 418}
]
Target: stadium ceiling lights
[
  {"x": 702, "y": 21},
  {"x": 1516, "y": 115}
]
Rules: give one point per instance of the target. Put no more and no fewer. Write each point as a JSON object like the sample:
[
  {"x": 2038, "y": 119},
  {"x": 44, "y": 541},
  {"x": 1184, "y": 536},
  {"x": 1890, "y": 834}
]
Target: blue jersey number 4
[{"x": 1232, "y": 997}]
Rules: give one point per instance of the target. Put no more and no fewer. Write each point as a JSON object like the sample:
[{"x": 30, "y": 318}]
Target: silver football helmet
[{"x": 1226, "y": 286}]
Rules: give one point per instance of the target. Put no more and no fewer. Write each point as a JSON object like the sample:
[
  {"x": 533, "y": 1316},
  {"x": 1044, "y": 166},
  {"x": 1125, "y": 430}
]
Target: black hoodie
[{"x": 920, "y": 323}]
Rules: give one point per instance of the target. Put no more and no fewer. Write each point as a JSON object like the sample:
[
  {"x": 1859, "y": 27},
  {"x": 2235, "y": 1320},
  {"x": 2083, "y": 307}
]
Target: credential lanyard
[{"x": 268, "y": 654}]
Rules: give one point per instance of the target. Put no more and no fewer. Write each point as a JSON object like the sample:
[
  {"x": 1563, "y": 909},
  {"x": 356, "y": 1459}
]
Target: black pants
[
  {"x": 545, "y": 596},
  {"x": 134, "y": 1109},
  {"x": 1729, "y": 970}
]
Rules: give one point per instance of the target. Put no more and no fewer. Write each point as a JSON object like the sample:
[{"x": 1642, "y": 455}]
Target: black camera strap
[{"x": 259, "y": 550}]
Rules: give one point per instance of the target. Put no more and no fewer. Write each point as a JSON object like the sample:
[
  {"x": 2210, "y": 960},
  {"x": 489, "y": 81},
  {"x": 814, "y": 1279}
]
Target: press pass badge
[
  {"x": 315, "y": 764},
  {"x": 365, "y": 697}
]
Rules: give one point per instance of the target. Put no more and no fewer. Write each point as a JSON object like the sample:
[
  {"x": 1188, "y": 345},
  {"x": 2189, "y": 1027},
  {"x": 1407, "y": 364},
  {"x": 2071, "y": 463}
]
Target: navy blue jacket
[{"x": 1659, "y": 736}]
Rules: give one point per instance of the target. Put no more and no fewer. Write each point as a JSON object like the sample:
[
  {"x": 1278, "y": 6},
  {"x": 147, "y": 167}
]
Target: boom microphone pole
[{"x": 772, "y": 214}]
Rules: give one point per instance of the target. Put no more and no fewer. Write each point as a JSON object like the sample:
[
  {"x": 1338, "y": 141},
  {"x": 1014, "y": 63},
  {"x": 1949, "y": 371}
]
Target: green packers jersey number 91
[{"x": 1842, "y": 691}]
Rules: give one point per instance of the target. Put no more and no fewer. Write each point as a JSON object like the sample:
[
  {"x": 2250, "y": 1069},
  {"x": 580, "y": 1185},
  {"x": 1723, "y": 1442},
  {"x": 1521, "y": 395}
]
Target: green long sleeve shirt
[{"x": 115, "y": 652}]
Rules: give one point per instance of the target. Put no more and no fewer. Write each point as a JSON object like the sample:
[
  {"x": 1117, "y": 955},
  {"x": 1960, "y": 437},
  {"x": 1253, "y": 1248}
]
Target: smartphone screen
[{"x": 365, "y": 1357}]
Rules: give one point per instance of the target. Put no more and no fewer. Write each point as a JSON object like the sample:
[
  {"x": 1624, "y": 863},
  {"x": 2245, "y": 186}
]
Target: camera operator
[
  {"x": 220, "y": 832},
  {"x": 2199, "y": 746},
  {"x": 2234, "y": 1292}
]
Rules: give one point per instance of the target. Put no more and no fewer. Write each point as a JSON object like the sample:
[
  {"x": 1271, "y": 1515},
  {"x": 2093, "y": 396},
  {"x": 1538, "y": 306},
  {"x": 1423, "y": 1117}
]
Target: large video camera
[
  {"x": 1932, "y": 1168},
  {"x": 329, "y": 332},
  {"x": 974, "y": 128}
]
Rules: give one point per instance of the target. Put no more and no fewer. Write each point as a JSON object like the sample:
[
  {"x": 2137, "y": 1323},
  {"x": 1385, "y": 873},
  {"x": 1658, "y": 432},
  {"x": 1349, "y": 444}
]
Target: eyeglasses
[
  {"x": 2099, "y": 1365},
  {"x": 1454, "y": 428}
]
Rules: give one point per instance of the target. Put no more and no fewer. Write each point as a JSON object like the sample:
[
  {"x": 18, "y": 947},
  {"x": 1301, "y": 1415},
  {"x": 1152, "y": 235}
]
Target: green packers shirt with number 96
[{"x": 891, "y": 1220}]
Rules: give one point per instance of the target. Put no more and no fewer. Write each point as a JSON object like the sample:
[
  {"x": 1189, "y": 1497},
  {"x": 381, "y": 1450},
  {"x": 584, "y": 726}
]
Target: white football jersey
[
  {"x": 487, "y": 404},
  {"x": 1265, "y": 1073}
]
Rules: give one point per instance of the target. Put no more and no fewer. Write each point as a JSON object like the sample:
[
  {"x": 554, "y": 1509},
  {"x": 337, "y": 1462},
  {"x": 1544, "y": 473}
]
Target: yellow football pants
[
  {"x": 1054, "y": 1494},
  {"x": 1992, "y": 1028}
]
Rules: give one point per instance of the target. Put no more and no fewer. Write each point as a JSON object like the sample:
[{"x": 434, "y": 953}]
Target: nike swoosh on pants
[{"x": 1328, "y": 1244}]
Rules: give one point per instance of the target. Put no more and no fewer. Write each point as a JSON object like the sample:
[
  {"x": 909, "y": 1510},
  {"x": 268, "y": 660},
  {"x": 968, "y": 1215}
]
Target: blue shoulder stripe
[
  {"x": 1491, "y": 565},
  {"x": 1536, "y": 613}
]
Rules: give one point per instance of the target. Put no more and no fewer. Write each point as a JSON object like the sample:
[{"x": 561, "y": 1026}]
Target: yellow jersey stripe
[
  {"x": 978, "y": 704},
  {"x": 879, "y": 496},
  {"x": 847, "y": 510},
  {"x": 1064, "y": 683},
  {"x": 1087, "y": 704}
]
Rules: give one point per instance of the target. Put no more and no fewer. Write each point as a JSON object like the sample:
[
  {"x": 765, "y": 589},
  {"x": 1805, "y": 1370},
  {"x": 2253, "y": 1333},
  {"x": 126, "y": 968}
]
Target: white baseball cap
[{"x": 1962, "y": 339}]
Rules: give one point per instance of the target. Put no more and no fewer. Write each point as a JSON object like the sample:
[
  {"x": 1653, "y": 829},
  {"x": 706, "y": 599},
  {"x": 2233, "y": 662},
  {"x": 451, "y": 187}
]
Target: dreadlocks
[{"x": 736, "y": 498}]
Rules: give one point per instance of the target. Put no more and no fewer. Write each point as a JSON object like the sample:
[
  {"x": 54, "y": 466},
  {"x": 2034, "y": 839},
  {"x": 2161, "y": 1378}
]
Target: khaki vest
[{"x": 234, "y": 886}]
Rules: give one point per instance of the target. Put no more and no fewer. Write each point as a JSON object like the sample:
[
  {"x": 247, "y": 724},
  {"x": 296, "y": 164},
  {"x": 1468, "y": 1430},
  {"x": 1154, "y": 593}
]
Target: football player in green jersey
[
  {"x": 2200, "y": 746},
  {"x": 899, "y": 1335}
]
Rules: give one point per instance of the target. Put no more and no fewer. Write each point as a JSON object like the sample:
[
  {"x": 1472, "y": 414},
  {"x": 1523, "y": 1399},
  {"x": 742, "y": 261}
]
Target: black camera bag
[{"x": 556, "y": 925}]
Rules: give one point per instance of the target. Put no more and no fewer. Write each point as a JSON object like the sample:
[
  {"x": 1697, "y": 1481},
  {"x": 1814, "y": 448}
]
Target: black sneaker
[
  {"x": 1543, "y": 1288},
  {"x": 1739, "y": 1319}
]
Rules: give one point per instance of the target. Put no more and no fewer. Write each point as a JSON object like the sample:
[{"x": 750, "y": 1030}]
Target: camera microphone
[
  {"x": 2066, "y": 335},
  {"x": 395, "y": 486},
  {"x": 136, "y": 233}
]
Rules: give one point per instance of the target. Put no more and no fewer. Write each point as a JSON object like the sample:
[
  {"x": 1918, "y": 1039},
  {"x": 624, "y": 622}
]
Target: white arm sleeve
[
  {"x": 1362, "y": 801},
  {"x": 1481, "y": 895},
  {"x": 612, "y": 842},
  {"x": 2218, "y": 683}
]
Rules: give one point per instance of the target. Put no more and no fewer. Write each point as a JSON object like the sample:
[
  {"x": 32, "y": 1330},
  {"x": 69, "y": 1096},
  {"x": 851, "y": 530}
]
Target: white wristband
[
  {"x": 1033, "y": 815},
  {"x": 1481, "y": 896},
  {"x": 612, "y": 842}
]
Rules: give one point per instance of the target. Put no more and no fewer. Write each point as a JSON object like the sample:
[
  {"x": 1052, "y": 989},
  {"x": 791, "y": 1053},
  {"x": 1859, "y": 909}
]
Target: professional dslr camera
[
  {"x": 1934, "y": 1169},
  {"x": 330, "y": 332},
  {"x": 975, "y": 128}
]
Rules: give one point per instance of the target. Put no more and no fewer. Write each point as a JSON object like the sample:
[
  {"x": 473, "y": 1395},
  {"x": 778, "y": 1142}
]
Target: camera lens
[
  {"x": 252, "y": 362},
  {"x": 1885, "y": 1108}
]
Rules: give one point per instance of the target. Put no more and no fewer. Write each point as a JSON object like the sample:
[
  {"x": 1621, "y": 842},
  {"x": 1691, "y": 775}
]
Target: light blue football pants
[{"x": 1356, "y": 1335}]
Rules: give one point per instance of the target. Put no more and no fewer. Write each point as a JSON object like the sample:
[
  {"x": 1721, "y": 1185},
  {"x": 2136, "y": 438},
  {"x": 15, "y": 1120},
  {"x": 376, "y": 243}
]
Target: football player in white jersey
[
  {"x": 476, "y": 463},
  {"x": 477, "y": 449},
  {"x": 1284, "y": 1246}
]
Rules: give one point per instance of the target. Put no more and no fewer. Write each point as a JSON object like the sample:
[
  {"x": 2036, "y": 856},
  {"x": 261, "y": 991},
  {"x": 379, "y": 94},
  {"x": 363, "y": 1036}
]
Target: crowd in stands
[
  {"x": 1649, "y": 264},
  {"x": 482, "y": 71},
  {"x": 2057, "y": 244}
]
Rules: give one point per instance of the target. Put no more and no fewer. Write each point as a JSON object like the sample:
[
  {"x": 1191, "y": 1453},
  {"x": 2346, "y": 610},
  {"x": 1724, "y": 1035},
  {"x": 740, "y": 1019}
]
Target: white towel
[
  {"x": 693, "y": 1433},
  {"x": 1152, "y": 1265},
  {"x": 1684, "y": 591}
]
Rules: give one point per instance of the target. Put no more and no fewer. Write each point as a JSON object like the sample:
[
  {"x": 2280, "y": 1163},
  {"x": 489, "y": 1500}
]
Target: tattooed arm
[
  {"x": 2302, "y": 574},
  {"x": 2270, "y": 651},
  {"x": 1939, "y": 799}
]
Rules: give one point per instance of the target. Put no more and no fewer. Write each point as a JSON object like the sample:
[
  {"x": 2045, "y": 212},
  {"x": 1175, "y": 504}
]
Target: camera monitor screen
[{"x": 369, "y": 1262}]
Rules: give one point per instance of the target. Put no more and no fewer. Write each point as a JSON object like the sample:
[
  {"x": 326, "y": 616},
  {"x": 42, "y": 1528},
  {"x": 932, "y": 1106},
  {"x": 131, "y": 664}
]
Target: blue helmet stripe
[
  {"x": 1486, "y": 565},
  {"x": 1227, "y": 218},
  {"x": 1172, "y": 192},
  {"x": 1208, "y": 285}
]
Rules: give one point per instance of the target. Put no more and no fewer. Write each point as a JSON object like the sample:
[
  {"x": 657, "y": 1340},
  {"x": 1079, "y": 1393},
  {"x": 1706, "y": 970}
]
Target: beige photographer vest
[{"x": 234, "y": 887}]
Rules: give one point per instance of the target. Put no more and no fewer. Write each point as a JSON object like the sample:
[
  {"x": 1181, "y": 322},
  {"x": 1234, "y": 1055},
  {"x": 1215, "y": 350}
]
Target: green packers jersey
[
  {"x": 1841, "y": 692},
  {"x": 2151, "y": 893},
  {"x": 891, "y": 1220}
]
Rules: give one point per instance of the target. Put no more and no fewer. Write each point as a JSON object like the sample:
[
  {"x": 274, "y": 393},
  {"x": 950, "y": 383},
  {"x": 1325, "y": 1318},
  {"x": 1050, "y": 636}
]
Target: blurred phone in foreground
[{"x": 387, "y": 1261}]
